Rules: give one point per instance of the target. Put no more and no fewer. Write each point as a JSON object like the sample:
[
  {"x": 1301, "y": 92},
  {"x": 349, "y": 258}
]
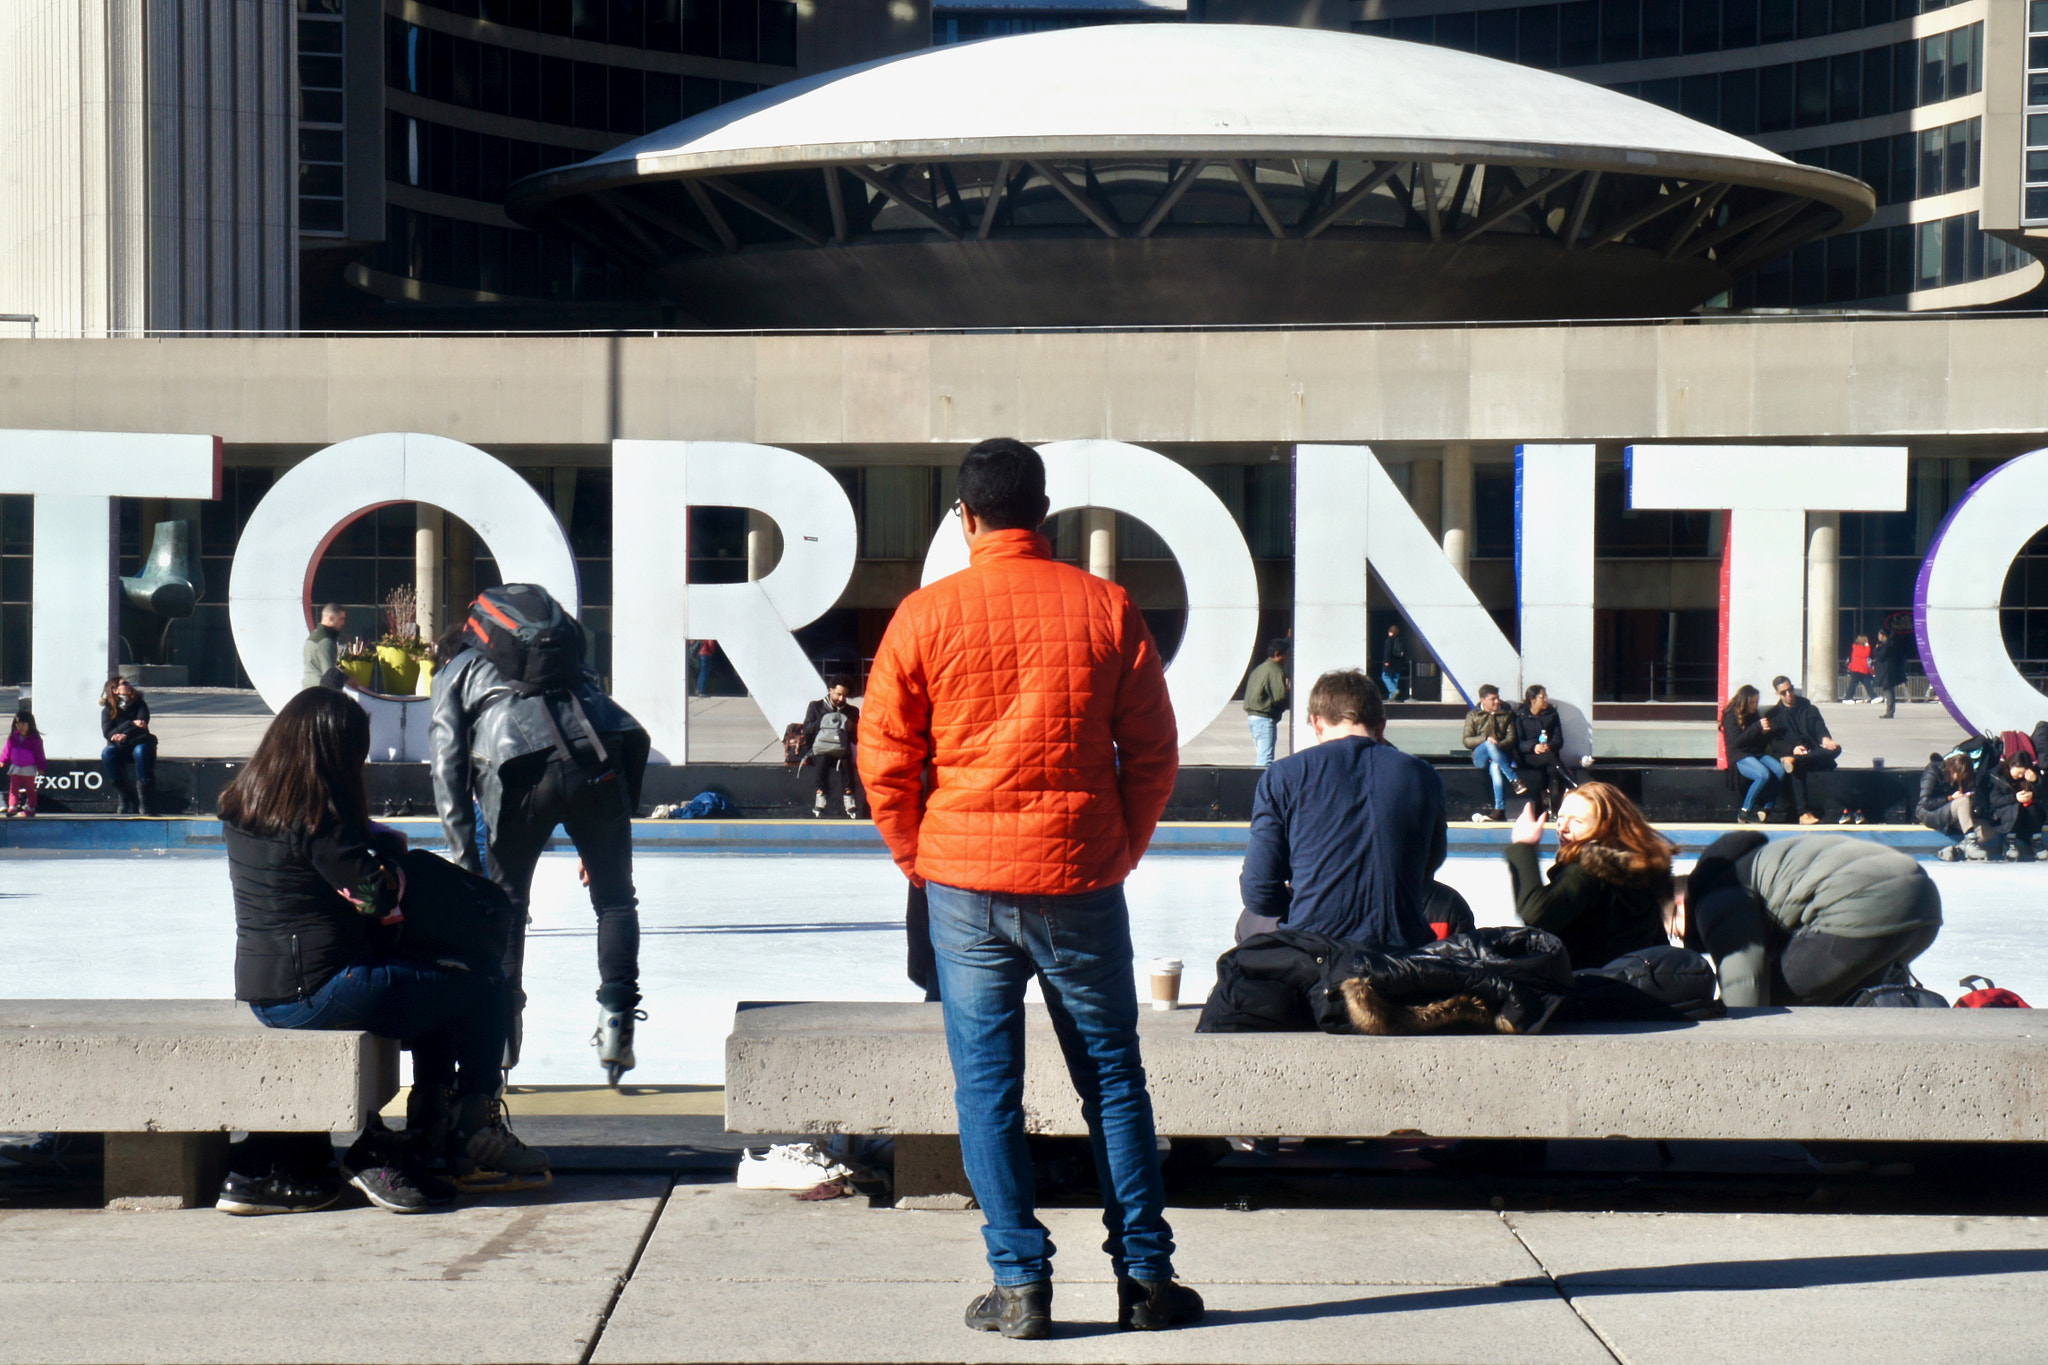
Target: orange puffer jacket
[{"x": 1033, "y": 696}]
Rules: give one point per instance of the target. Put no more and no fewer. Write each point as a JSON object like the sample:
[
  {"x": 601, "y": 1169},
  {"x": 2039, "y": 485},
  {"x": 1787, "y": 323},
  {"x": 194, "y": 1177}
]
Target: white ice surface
[{"x": 721, "y": 929}]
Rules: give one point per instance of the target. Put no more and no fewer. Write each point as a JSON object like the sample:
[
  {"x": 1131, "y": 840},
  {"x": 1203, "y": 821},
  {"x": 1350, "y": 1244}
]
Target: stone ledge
[{"x": 1775, "y": 1074}]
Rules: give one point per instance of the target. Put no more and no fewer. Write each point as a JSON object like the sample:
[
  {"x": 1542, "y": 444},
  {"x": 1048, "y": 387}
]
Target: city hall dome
[{"x": 1201, "y": 174}]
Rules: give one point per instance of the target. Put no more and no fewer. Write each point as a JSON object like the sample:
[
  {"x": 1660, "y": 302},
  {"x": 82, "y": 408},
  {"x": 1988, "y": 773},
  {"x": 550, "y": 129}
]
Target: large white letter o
[
  {"x": 270, "y": 591},
  {"x": 1215, "y": 564},
  {"x": 1955, "y": 605}
]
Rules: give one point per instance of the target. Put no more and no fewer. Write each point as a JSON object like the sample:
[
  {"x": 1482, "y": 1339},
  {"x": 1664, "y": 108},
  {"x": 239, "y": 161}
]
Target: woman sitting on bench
[{"x": 317, "y": 887}]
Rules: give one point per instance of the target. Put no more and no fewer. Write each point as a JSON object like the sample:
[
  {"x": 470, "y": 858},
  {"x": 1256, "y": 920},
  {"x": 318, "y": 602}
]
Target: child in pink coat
[{"x": 22, "y": 757}]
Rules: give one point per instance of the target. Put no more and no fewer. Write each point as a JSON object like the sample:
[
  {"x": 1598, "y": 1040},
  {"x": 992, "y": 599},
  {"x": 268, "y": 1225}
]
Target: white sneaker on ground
[{"x": 788, "y": 1166}]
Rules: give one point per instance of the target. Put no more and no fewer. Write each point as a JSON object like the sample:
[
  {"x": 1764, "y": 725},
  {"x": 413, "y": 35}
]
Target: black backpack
[{"x": 535, "y": 645}]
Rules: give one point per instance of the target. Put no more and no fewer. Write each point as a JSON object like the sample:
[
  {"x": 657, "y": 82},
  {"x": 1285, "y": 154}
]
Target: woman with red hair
[{"x": 1609, "y": 887}]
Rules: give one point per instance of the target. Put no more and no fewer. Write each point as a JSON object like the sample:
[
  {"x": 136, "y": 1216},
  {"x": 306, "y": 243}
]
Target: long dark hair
[
  {"x": 308, "y": 769},
  {"x": 25, "y": 717},
  {"x": 109, "y": 701},
  {"x": 1743, "y": 703}
]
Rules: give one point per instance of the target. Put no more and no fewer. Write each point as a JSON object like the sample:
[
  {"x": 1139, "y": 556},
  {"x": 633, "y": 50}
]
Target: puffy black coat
[
  {"x": 1796, "y": 724},
  {"x": 1936, "y": 791},
  {"x": 1743, "y": 741},
  {"x": 1532, "y": 730},
  {"x": 294, "y": 927},
  {"x": 1888, "y": 662}
]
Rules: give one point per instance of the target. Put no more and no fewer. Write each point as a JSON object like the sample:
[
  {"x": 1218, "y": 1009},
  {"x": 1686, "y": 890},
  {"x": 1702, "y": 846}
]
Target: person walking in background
[
  {"x": 1804, "y": 921},
  {"x": 705, "y": 651},
  {"x": 1266, "y": 695},
  {"x": 322, "y": 650},
  {"x": 1610, "y": 885},
  {"x": 22, "y": 759},
  {"x": 1539, "y": 748},
  {"x": 1018, "y": 749},
  {"x": 1393, "y": 662},
  {"x": 1345, "y": 836},
  {"x": 1859, "y": 670},
  {"x": 129, "y": 760},
  {"x": 1801, "y": 743},
  {"x": 1490, "y": 735},
  {"x": 1746, "y": 742},
  {"x": 523, "y": 734},
  {"x": 830, "y": 725},
  {"x": 1888, "y": 669}
]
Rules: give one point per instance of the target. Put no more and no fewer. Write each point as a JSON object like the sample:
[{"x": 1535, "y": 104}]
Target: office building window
[
  {"x": 322, "y": 104},
  {"x": 2036, "y": 207}
]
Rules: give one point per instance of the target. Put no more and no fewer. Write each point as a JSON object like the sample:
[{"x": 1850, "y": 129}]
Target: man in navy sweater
[{"x": 1345, "y": 835}]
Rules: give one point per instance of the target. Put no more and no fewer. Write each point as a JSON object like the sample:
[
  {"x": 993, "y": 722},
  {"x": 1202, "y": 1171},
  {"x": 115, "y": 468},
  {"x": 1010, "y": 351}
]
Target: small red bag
[{"x": 1988, "y": 996}]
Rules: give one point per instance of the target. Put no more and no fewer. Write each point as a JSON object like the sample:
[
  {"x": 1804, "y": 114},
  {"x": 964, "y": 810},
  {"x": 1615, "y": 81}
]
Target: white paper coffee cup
[{"x": 1166, "y": 983}]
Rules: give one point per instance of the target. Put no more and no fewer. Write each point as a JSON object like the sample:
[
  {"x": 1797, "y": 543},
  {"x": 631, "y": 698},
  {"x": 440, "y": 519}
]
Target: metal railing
[{"x": 30, "y": 318}]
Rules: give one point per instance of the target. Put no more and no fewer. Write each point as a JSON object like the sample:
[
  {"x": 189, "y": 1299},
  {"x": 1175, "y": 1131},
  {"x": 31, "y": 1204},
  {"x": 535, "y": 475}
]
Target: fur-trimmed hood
[{"x": 1621, "y": 867}]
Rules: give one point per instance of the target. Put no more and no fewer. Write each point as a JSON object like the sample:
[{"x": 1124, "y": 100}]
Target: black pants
[
  {"x": 1813, "y": 761},
  {"x": 1891, "y": 699},
  {"x": 825, "y": 765},
  {"x": 1823, "y": 969},
  {"x": 1863, "y": 681},
  {"x": 598, "y": 819},
  {"x": 1545, "y": 779}
]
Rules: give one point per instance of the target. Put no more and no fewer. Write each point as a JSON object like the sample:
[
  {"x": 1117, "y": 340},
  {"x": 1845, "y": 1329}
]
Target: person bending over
[
  {"x": 830, "y": 725},
  {"x": 129, "y": 759},
  {"x": 1951, "y": 802},
  {"x": 1807, "y": 921},
  {"x": 1345, "y": 835},
  {"x": 1801, "y": 743},
  {"x": 318, "y": 891},
  {"x": 1746, "y": 736},
  {"x": 1611, "y": 882},
  {"x": 523, "y": 736},
  {"x": 1490, "y": 736}
]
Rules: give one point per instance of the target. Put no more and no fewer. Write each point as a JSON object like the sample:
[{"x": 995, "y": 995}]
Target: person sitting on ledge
[
  {"x": 2012, "y": 800},
  {"x": 1951, "y": 802},
  {"x": 1807, "y": 921},
  {"x": 1345, "y": 835},
  {"x": 129, "y": 759},
  {"x": 1610, "y": 884},
  {"x": 317, "y": 889},
  {"x": 1801, "y": 743}
]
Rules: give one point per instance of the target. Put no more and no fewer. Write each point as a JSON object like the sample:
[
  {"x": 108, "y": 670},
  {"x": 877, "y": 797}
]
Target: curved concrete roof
[{"x": 1180, "y": 88}]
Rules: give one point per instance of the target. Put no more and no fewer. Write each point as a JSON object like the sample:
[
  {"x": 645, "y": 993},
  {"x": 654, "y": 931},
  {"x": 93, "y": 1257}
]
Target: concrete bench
[
  {"x": 167, "y": 1080},
  {"x": 1771, "y": 1074}
]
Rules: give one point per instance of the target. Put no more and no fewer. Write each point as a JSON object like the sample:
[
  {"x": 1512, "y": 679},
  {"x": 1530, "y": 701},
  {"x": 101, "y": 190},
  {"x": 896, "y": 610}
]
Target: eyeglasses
[{"x": 954, "y": 510}]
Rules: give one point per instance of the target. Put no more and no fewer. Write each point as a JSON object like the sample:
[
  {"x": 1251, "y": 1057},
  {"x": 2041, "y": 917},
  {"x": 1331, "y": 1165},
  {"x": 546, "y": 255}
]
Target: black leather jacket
[{"x": 480, "y": 725}]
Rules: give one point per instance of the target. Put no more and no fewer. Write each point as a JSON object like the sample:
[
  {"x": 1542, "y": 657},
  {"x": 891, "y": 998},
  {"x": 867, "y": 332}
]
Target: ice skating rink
[{"x": 718, "y": 929}]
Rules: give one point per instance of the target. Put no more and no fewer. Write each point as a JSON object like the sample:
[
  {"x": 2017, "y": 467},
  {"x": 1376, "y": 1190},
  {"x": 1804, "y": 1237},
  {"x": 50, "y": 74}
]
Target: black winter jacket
[
  {"x": 119, "y": 725},
  {"x": 1936, "y": 791},
  {"x": 1888, "y": 662},
  {"x": 1603, "y": 905},
  {"x": 1796, "y": 724},
  {"x": 2006, "y": 815},
  {"x": 1532, "y": 730},
  {"x": 305, "y": 905},
  {"x": 1743, "y": 741}
]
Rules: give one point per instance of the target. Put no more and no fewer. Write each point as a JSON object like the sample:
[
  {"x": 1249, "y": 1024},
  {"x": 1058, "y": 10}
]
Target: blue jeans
[
  {"x": 1392, "y": 683},
  {"x": 988, "y": 947},
  {"x": 142, "y": 756},
  {"x": 1265, "y": 734},
  {"x": 1499, "y": 767},
  {"x": 1764, "y": 775},
  {"x": 453, "y": 1022}
]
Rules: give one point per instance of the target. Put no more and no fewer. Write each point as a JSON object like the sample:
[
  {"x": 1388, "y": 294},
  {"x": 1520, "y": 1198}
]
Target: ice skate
[{"x": 614, "y": 1038}]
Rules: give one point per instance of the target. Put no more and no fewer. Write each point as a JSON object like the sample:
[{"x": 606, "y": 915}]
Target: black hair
[
  {"x": 24, "y": 714},
  {"x": 1002, "y": 481},
  {"x": 1347, "y": 696},
  {"x": 838, "y": 680},
  {"x": 308, "y": 768},
  {"x": 1533, "y": 691},
  {"x": 1277, "y": 645},
  {"x": 1780, "y": 681}
]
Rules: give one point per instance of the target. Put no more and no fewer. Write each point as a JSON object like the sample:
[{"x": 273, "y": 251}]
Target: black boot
[
  {"x": 125, "y": 802},
  {"x": 1019, "y": 1311},
  {"x": 1153, "y": 1305},
  {"x": 145, "y": 803}
]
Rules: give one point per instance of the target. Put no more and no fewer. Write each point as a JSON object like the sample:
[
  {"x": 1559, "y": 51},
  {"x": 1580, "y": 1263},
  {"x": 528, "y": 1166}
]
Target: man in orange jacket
[{"x": 1018, "y": 749}]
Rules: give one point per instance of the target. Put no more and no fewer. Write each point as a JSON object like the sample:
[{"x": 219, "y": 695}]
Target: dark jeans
[
  {"x": 598, "y": 820},
  {"x": 451, "y": 1021},
  {"x": 117, "y": 760},
  {"x": 829, "y": 765},
  {"x": 989, "y": 946},
  {"x": 1813, "y": 761},
  {"x": 1863, "y": 681},
  {"x": 1823, "y": 969},
  {"x": 1891, "y": 700}
]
